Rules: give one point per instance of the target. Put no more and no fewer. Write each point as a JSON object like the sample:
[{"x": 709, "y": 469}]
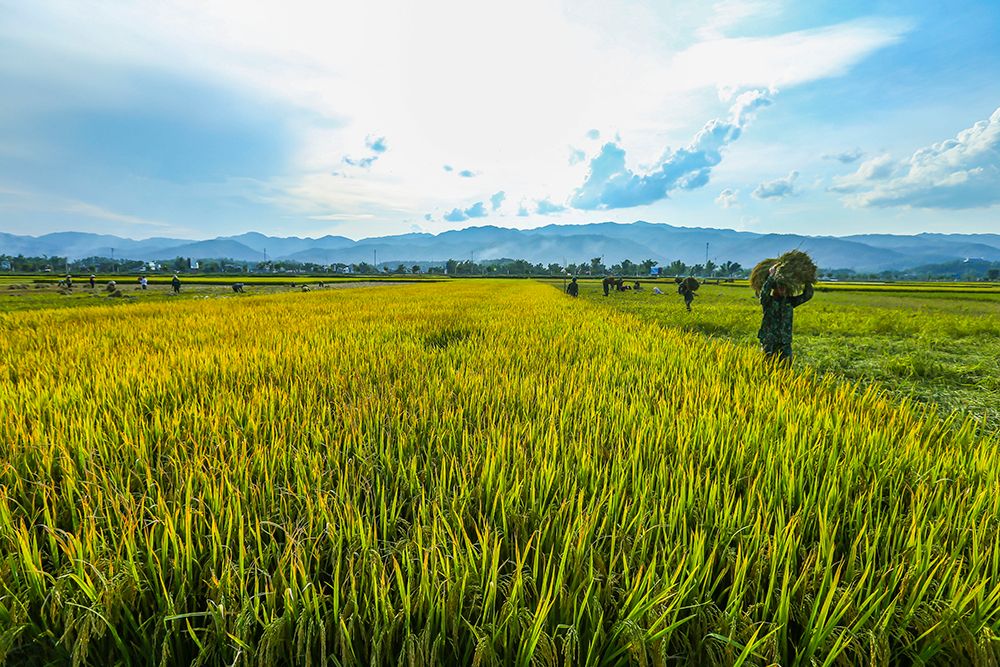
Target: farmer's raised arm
[
  {"x": 765, "y": 291},
  {"x": 805, "y": 296}
]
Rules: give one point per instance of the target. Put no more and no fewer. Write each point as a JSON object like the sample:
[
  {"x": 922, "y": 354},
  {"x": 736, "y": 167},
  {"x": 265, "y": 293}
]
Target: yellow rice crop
[{"x": 469, "y": 473}]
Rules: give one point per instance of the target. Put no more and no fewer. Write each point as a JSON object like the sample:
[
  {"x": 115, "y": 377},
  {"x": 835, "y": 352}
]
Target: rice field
[{"x": 475, "y": 472}]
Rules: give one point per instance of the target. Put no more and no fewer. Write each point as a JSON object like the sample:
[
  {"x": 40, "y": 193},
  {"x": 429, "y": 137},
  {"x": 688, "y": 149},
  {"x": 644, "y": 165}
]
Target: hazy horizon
[
  {"x": 196, "y": 120},
  {"x": 470, "y": 226}
]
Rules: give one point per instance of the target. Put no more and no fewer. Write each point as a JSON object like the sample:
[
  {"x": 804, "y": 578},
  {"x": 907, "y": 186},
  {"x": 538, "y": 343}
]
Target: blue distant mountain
[{"x": 611, "y": 241}]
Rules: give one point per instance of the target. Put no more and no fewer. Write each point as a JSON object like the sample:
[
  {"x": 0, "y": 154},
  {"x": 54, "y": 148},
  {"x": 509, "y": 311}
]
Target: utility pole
[
  {"x": 114, "y": 267},
  {"x": 706, "y": 254},
  {"x": 375, "y": 258}
]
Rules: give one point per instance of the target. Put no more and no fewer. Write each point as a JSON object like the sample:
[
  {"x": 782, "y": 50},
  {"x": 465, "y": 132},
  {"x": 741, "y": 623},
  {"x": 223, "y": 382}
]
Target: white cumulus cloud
[
  {"x": 610, "y": 184},
  {"x": 845, "y": 157},
  {"x": 958, "y": 173},
  {"x": 728, "y": 198},
  {"x": 779, "y": 188}
]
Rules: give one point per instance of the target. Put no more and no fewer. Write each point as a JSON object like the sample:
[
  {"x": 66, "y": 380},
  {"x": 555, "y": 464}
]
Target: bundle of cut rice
[
  {"x": 691, "y": 283},
  {"x": 796, "y": 270},
  {"x": 759, "y": 273}
]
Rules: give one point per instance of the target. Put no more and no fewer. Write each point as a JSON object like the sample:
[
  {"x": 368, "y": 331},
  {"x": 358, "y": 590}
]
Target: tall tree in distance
[{"x": 677, "y": 268}]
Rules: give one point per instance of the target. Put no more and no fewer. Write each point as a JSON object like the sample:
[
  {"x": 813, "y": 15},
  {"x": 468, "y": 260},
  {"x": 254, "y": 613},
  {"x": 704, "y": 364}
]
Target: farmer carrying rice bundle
[
  {"x": 782, "y": 285},
  {"x": 686, "y": 288}
]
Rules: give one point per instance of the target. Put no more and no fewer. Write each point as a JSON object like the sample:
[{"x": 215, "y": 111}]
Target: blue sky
[{"x": 214, "y": 117}]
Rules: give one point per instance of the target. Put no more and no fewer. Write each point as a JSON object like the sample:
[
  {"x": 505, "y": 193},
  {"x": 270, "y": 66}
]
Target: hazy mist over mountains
[{"x": 553, "y": 243}]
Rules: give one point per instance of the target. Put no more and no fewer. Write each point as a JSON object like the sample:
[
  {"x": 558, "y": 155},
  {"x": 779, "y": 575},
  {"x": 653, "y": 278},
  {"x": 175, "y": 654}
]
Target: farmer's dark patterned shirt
[{"x": 776, "y": 326}]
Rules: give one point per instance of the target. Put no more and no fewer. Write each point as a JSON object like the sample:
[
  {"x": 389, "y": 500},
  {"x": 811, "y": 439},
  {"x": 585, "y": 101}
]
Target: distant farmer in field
[
  {"x": 657, "y": 290},
  {"x": 776, "y": 326},
  {"x": 92, "y": 279},
  {"x": 238, "y": 288},
  {"x": 573, "y": 289},
  {"x": 684, "y": 289},
  {"x": 144, "y": 282},
  {"x": 607, "y": 283},
  {"x": 176, "y": 284},
  {"x": 69, "y": 281},
  {"x": 636, "y": 286}
]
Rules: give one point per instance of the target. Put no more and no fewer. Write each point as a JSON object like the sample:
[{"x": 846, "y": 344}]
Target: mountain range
[{"x": 563, "y": 244}]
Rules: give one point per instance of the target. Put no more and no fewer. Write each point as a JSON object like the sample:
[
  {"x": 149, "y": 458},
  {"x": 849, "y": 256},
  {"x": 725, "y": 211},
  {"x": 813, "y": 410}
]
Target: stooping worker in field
[
  {"x": 238, "y": 288},
  {"x": 607, "y": 283},
  {"x": 92, "y": 279},
  {"x": 573, "y": 289},
  {"x": 776, "y": 325},
  {"x": 176, "y": 284}
]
